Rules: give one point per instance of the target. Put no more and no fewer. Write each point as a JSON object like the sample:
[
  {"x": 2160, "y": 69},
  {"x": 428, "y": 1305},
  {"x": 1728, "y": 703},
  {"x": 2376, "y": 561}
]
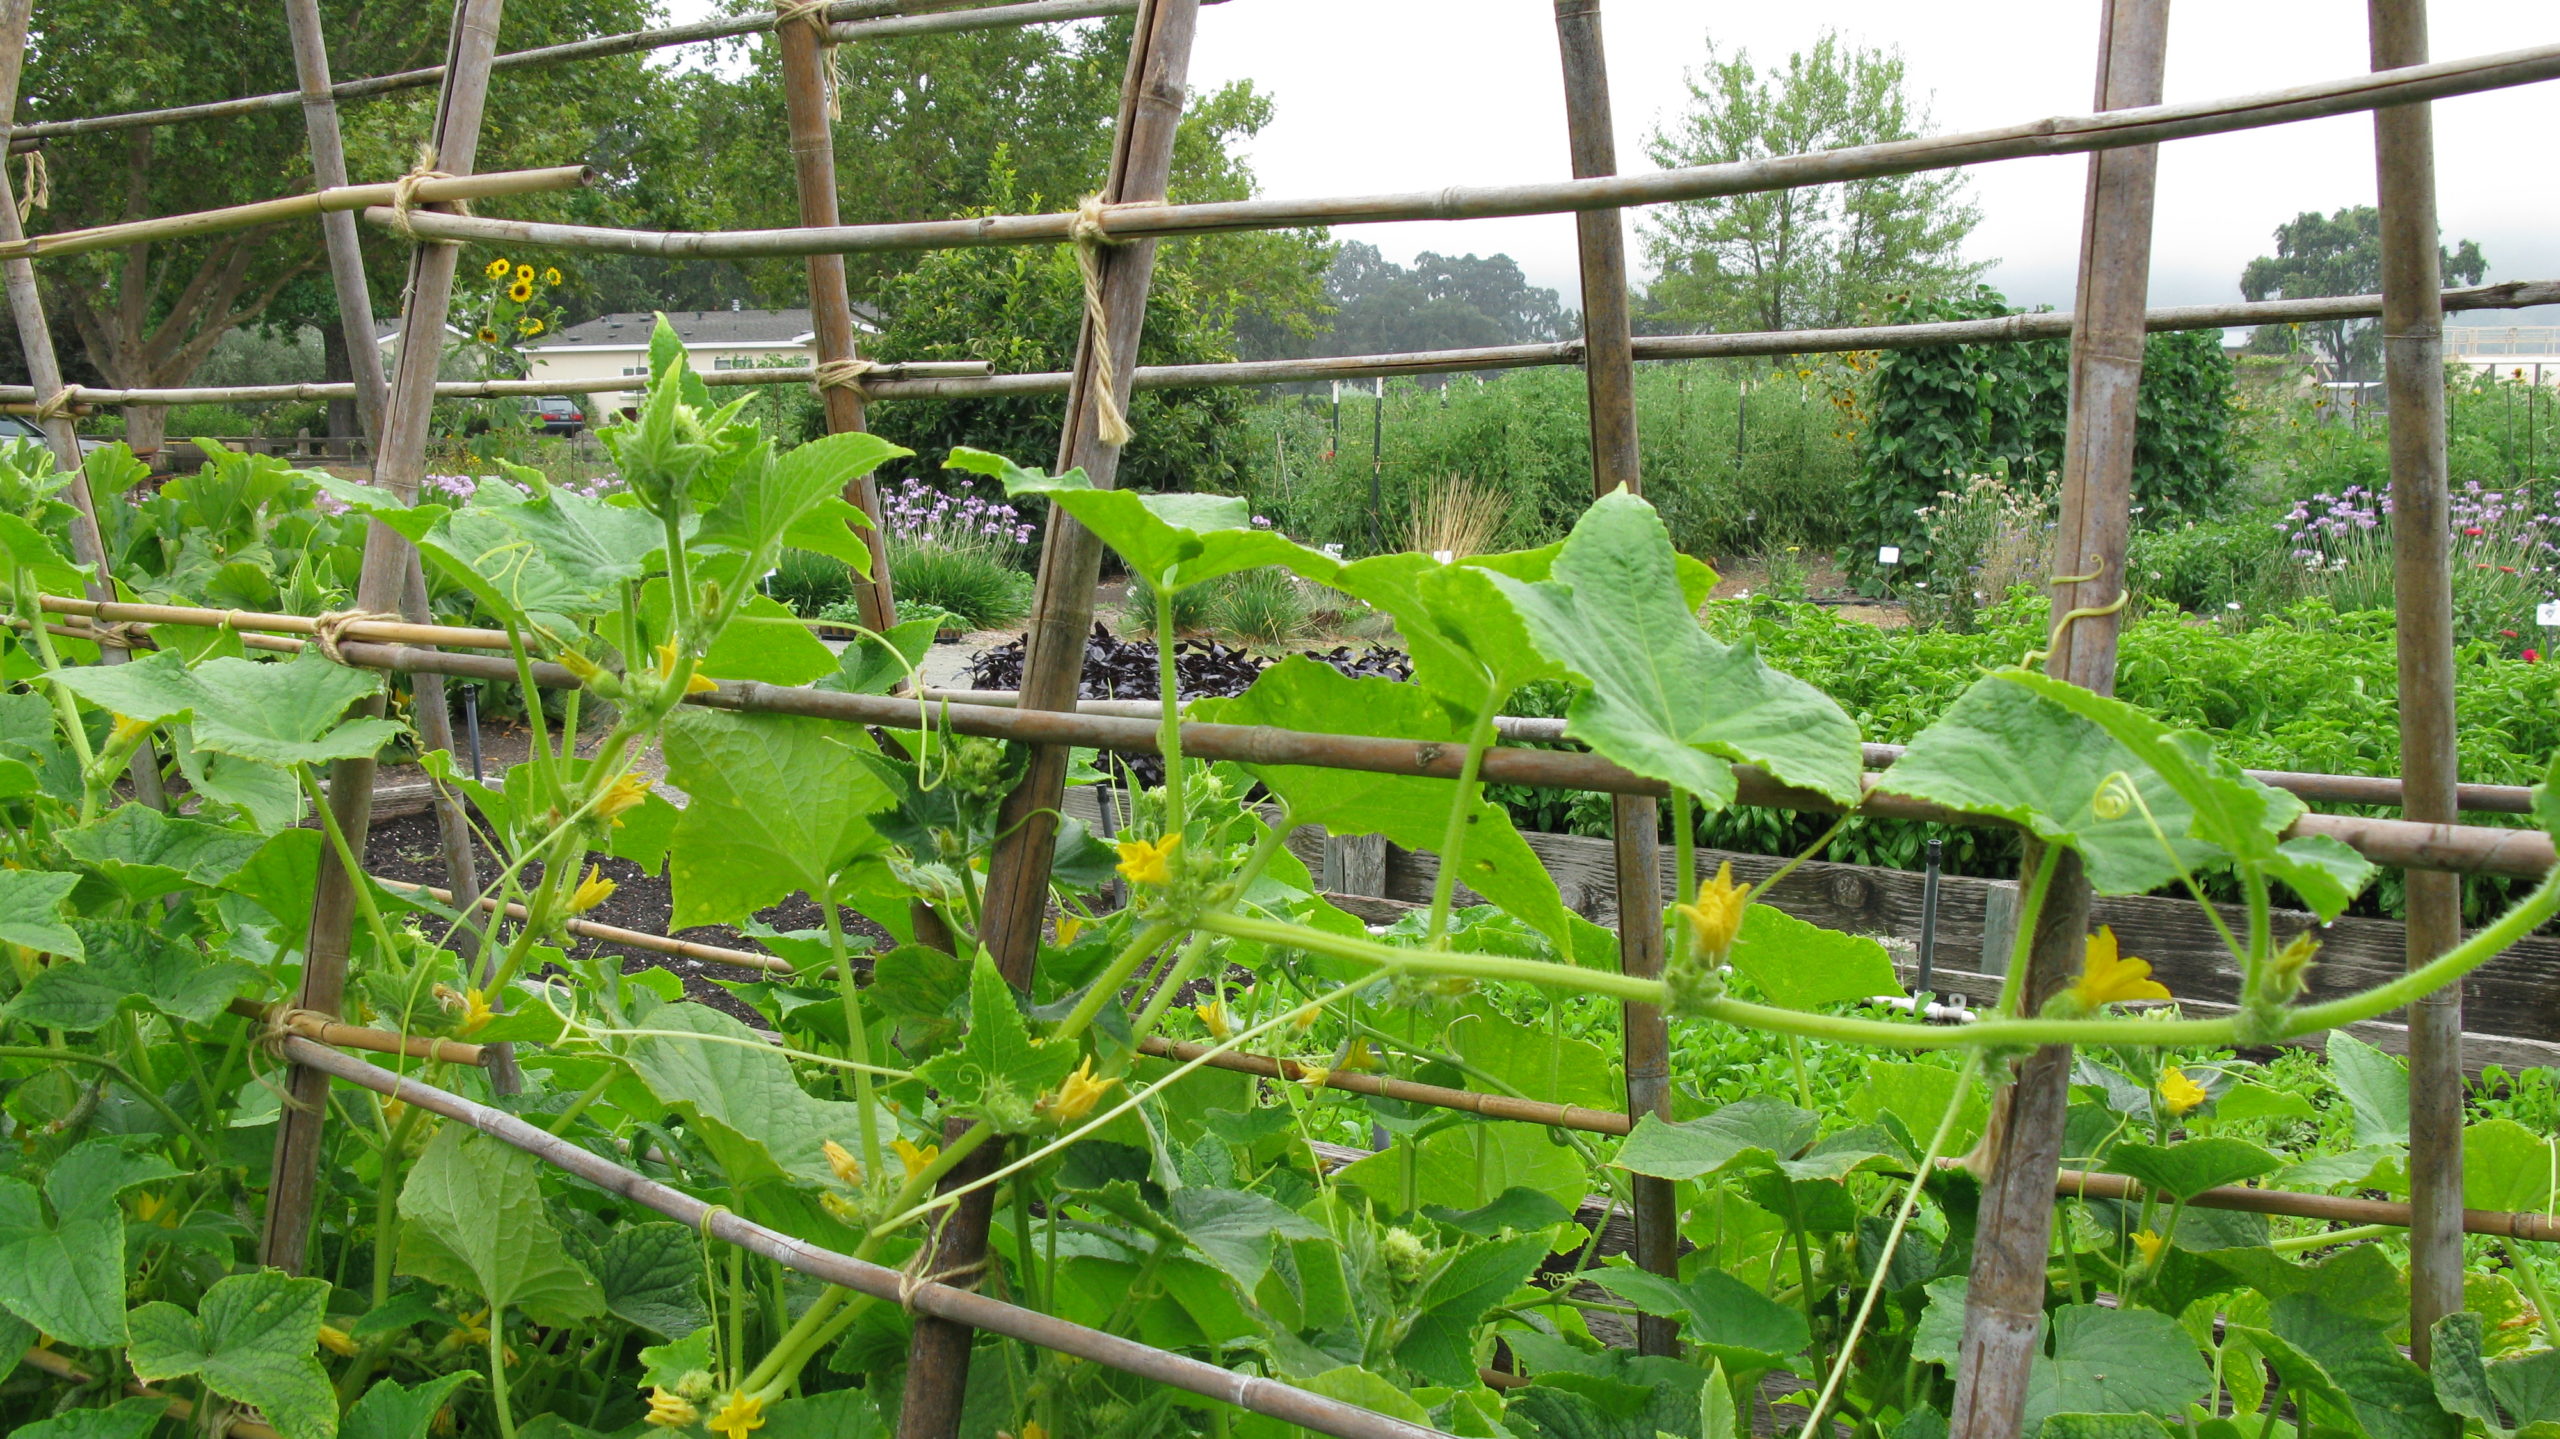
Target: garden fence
[{"x": 1115, "y": 232}]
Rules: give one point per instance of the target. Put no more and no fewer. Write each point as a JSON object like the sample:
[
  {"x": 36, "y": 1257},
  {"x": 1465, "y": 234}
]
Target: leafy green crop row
[{"x": 455, "y": 1284}]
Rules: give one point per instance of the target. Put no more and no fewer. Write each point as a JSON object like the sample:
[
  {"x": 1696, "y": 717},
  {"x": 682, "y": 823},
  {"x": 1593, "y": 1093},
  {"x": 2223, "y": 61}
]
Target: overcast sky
[{"x": 1409, "y": 94}]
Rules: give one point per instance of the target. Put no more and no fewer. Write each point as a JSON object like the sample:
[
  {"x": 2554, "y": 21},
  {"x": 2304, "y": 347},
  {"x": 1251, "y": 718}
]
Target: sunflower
[
  {"x": 530, "y": 328},
  {"x": 520, "y": 291},
  {"x": 498, "y": 268},
  {"x": 524, "y": 274},
  {"x": 488, "y": 336},
  {"x": 551, "y": 275}
]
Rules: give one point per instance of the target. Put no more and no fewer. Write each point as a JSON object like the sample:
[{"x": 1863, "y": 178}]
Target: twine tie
[
  {"x": 1111, "y": 419},
  {"x": 404, "y": 197},
  {"x": 35, "y": 192},
  {"x": 330, "y": 630},
  {"x": 813, "y": 13},
  {"x": 58, "y": 405},
  {"x": 843, "y": 375}
]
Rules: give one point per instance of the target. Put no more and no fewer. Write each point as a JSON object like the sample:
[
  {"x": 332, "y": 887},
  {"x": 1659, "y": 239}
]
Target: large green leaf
[
  {"x": 1467, "y": 1166},
  {"x": 130, "y": 964},
  {"x": 1666, "y": 700},
  {"x": 65, "y": 1276},
  {"x": 2506, "y": 1168},
  {"x": 2183, "y": 1171},
  {"x": 472, "y": 1218},
  {"x": 2347, "y": 1362},
  {"x": 1409, "y": 810},
  {"x": 1467, "y": 643},
  {"x": 31, "y": 910},
  {"x": 769, "y": 500},
  {"x": 2115, "y": 1361},
  {"x": 777, "y": 804},
  {"x": 1692, "y": 1148},
  {"x": 277, "y": 714},
  {"x": 2240, "y": 816},
  {"x": 1801, "y": 965},
  {"x": 997, "y": 1069},
  {"x": 2461, "y": 1377},
  {"x": 1746, "y": 1331},
  {"x": 253, "y": 1338},
  {"x": 1440, "y": 1343},
  {"x": 2376, "y": 1086},
  {"x": 126, "y": 1419},
  {"x": 1536, "y": 1061},
  {"x": 1175, "y": 539},
  {"x": 148, "y": 854},
  {"x": 651, "y": 1275},
  {"x": 742, "y": 1096},
  {"x": 1234, "y": 1229},
  {"x": 2002, "y": 749},
  {"x": 392, "y": 1410}
]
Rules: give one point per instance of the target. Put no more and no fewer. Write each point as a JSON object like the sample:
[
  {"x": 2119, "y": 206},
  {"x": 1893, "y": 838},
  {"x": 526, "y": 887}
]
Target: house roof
[
  {"x": 780, "y": 329},
  {"x": 385, "y": 331}
]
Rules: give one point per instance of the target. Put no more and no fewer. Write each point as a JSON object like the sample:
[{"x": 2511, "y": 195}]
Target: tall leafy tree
[
  {"x": 1439, "y": 302},
  {"x": 2340, "y": 254},
  {"x": 1793, "y": 259}
]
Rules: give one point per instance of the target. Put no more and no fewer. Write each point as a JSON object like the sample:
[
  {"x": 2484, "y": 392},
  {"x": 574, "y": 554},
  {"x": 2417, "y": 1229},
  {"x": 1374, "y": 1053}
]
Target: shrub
[
  {"x": 1981, "y": 542},
  {"x": 957, "y": 551},
  {"x": 810, "y": 582},
  {"x": 2206, "y": 566},
  {"x": 1262, "y": 607},
  {"x": 1193, "y": 607}
]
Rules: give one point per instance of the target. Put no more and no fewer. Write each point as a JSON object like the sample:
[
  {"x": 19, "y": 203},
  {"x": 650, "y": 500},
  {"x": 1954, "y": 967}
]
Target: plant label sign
[
  {"x": 2547, "y": 614},
  {"x": 1889, "y": 555}
]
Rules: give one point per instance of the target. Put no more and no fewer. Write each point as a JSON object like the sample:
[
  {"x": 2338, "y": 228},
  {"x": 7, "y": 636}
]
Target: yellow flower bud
[
  {"x": 2182, "y": 1094},
  {"x": 671, "y": 1411},
  {"x": 594, "y": 890},
  {"x": 337, "y": 1341},
  {"x": 848, "y": 1170}
]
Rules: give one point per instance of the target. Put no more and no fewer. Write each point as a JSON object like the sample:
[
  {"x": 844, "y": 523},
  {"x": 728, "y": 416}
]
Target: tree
[
  {"x": 1796, "y": 259},
  {"x": 2341, "y": 254},
  {"x": 148, "y": 315},
  {"x": 1440, "y": 302}
]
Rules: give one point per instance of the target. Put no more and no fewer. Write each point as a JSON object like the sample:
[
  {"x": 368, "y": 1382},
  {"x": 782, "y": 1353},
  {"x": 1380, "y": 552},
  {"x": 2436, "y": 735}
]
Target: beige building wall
[{"x": 570, "y": 364}]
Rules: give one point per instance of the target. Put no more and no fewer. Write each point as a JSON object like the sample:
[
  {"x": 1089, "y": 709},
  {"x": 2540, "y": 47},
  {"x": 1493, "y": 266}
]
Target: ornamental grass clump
[{"x": 961, "y": 553}]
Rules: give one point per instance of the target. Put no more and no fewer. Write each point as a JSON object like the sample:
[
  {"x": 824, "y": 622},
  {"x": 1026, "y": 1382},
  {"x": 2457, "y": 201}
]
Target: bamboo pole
[
  {"x": 349, "y": 1036},
  {"x": 2399, "y": 844},
  {"x": 2004, "y": 1309},
  {"x": 400, "y": 461},
  {"x": 44, "y": 368},
  {"x": 90, "y": 395},
  {"x": 615, "y": 934},
  {"x": 1609, "y": 372},
  {"x": 354, "y": 295},
  {"x": 807, "y": 84},
  {"x": 334, "y": 199},
  {"x": 954, "y": 379},
  {"x": 1152, "y": 91},
  {"x": 936, "y": 1302},
  {"x": 2055, "y": 135},
  {"x": 898, "y": 17},
  {"x": 2421, "y": 544}
]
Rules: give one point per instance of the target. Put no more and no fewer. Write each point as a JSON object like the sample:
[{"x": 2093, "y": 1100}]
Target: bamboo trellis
[{"x": 2105, "y": 329}]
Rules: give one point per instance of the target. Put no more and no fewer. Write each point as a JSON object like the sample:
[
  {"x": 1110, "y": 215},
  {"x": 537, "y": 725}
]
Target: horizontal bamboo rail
[
  {"x": 2402, "y": 844},
  {"x": 179, "y": 1409},
  {"x": 1247, "y": 1392},
  {"x": 90, "y": 395},
  {"x": 375, "y": 631},
  {"x": 292, "y": 207},
  {"x": 348, "y": 1036},
  {"x": 616, "y": 934},
  {"x": 2085, "y": 1184},
  {"x": 2056, "y": 135},
  {"x": 958, "y": 379},
  {"x": 848, "y": 17}
]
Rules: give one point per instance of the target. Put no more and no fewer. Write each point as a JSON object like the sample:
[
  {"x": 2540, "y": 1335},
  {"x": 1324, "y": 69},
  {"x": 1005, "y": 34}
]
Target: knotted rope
[
  {"x": 843, "y": 375},
  {"x": 813, "y": 13},
  {"x": 404, "y": 197},
  {"x": 1110, "y": 418},
  {"x": 330, "y": 630},
  {"x": 117, "y": 634},
  {"x": 912, "y": 1276},
  {"x": 35, "y": 192},
  {"x": 280, "y": 1025},
  {"x": 58, "y": 405}
]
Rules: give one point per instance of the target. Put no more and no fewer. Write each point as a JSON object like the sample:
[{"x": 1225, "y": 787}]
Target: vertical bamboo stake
[
  {"x": 44, "y": 371},
  {"x": 805, "y": 84},
  {"x": 2004, "y": 1313},
  {"x": 399, "y": 461},
  {"x": 1608, "y": 363},
  {"x": 355, "y": 318},
  {"x": 1062, "y": 611},
  {"x": 2421, "y": 542}
]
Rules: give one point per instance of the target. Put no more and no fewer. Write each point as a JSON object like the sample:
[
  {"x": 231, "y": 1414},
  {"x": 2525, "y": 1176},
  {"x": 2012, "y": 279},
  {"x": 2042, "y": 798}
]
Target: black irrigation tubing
[
  {"x": 1251, "y": 1393},
  {"x": 2053, "y": 135},
  {"x": 849, "y": 20}
]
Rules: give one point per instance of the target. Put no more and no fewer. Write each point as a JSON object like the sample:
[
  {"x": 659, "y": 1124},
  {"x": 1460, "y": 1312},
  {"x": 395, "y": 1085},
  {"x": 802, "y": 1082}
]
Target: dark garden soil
[{"x": 406, "y": 848}]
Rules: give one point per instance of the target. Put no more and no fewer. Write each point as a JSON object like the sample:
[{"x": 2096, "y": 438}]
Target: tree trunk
[
  {"x": 146, "y": 429},
  {"x": 338, "y": 367}
]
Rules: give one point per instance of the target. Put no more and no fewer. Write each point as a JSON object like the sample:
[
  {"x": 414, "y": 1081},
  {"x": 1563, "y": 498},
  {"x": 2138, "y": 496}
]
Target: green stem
[
  {"x": 1474, "y": 966},
  {"x": 498, "y": 1372},
  {"x": 1453, "y": 837},
  {"x": 386, "y": 1210},
  {"x": 1169, "y": 728},
  {"x": 2013, "y": 989},
  {"x": 1176, "y": 976},
  {"x": 857, "y": 1036},
  {"x": 1126, "y": 963},
  {"x": 116, "y": 1072},
  {"x": 2326, "y": 1238},
  {"x": 532, "y": 706},
  {"x": 560, "y": 1122},
  {"x": 66, "y": 708}
]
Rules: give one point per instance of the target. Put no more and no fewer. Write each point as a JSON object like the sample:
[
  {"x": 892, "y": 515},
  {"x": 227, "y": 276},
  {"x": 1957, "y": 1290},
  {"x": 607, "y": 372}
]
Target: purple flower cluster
[
  {"x": 2509, "y": 536},
  {"x": 919, "y": 514},
  {"x": 2326, "y": 528}
]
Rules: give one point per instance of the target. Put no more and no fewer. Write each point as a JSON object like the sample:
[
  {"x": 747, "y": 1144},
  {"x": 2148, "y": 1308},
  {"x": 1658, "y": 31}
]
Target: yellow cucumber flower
[
  {"x": 594, "y": 890},
  {"x": 1358, "y": 1057},
  {"x": 669, "y": 1410},
  {"x": 699, "y": 683},
  {"x": 128, "y": 732},
  {"x": 1076, "y": 1094},
  {"x": 627, "y": 793},
  {"x": 1214, "y": 1015},
  {"x": 337, "y": 1341},
  {"x": 2151, "y": 1246},
  {"x": 1716, "y": 917},
  {"x": 1148, "y": 861},
  {"x": 848, "y": 1170},
  {"x": 2181, "y": 1093},
  {"x": 475, "y": 1010},
  {"x": 739, "y": 1416},
  {"x": 156, "y": 1209},
  {"x": 916, "y": 1159},
  {"x": 1069, "y": 926},
  {"x": 2109, "y": 978}
]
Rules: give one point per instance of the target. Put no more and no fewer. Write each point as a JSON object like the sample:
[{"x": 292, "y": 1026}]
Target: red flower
[
  {"x": 2506, "y": 634},
  {"x": 2506, "y": 569},
  {"x": 2533, "y": 657},
  {"x": 2473, "y": 530}
]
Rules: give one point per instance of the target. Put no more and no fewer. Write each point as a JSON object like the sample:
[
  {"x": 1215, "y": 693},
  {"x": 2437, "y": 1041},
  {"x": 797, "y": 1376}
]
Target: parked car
[
  {"x": 557, "y": 414},
  {"x": 18, "y": 427}
]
